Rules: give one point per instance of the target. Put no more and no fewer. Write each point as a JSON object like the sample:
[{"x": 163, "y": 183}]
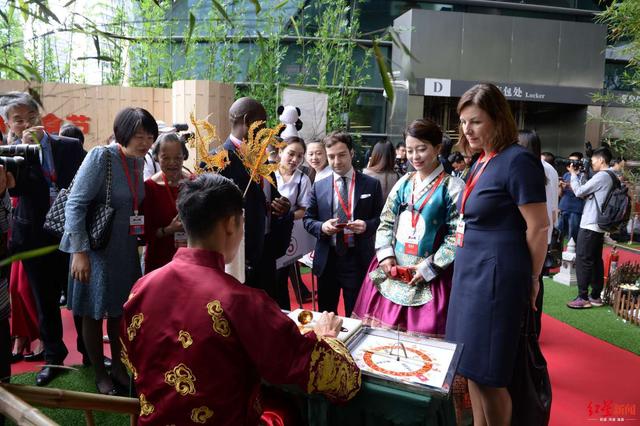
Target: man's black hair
[
  {"x": 205, "y": 201},
  {"x": 548, "y": 156},
  {"x": 72, "y": 131},
  {"x": 604, "y": 153},
  {"x": 338, "y": 136},
  {"x": 576, "y": 154},
  {"x": 129, "y": 120}
]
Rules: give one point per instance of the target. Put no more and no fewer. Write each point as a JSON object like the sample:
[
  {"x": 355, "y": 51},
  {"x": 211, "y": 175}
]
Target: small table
[{"x": 378, "y": 404}]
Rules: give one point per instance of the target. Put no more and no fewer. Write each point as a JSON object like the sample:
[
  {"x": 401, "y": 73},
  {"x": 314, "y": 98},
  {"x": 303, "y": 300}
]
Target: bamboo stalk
[
  {"x": 59, "y": 398},
  {"x": 20, "y": 412}
]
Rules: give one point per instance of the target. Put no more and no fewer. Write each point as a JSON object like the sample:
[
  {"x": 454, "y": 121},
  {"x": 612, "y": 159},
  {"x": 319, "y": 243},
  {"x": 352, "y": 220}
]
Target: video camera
[
  {"x": 580, "y": 165},
  {"x": 15, "y": 158}
]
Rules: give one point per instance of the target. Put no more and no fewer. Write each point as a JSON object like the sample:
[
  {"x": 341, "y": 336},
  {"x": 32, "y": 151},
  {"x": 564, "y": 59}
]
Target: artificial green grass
[
  {"x": 82, "y": 380},
  {"x": 599, "y": 322}
]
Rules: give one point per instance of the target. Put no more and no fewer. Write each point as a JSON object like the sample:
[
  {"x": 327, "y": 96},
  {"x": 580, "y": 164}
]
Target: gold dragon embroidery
[
  {"x": 124, "y": 357},
  {"x": 182, "y": 378},
  {"x": 136, "y": 322},
  {"x": 201, "y": 414},
  {"x": 185, "y": 339},
  {"x": 220, "y": 323},
  {"x": 146, "y": 408},
  {"x": 332, "y": 371}
]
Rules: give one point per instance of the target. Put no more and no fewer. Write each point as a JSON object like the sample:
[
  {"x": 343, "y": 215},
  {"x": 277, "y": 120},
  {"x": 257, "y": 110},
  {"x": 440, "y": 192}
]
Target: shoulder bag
[
  {"x": 99, "y": 216},
  {"x": 530, "y": 387}
]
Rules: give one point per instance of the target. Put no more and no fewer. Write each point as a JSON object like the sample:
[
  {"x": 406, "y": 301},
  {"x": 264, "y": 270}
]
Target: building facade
[{"x": 548, "y": 56}]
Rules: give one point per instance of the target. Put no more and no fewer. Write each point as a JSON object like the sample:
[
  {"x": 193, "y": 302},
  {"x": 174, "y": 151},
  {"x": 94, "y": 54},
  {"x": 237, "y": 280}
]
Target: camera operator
[
  {"x": 37, "y": 185},
  {"x": 570, "y": 206},
  {"x": 589, "y": 265}
]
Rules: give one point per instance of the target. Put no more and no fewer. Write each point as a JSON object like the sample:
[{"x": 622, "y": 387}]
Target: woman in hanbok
[{"x": 409, "y": 281}]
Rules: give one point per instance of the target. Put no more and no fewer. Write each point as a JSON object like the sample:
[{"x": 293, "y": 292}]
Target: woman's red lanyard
[
  {"x": 415, "y": 213},
  {"x": 472, "y": 180},
  {"x": 412, "y": 243},
  {"x": 136, "y": 222},
  {"x": 169, "y": 191},
  {"x": 346, "y": 207}
]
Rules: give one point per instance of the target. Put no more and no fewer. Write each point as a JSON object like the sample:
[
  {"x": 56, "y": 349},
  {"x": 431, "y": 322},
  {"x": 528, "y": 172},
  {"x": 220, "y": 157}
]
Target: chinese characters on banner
[
  {"x": 517, "y": 92},
  {"x": 52, "y": 123}
]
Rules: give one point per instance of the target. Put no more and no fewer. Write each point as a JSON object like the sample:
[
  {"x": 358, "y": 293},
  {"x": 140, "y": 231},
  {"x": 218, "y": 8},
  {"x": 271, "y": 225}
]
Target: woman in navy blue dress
[{"x": 501, "y": 248}]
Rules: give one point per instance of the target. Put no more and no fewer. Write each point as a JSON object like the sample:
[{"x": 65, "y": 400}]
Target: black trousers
[
  {"x": 46, "y": 276},
  {"x": 281, "y": 289},
  {"x": 341, "y": 272},
  {"x": 589, "y": 265}
]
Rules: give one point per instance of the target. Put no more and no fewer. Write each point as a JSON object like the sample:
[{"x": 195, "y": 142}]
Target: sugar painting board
[{"x": 419, "y": 363}]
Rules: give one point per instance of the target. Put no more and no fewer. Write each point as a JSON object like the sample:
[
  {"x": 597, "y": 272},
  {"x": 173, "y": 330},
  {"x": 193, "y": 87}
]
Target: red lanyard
[
  {"x": 52, "y": 176},
  {"x": 472, "y": 180},
  {"x": 346, "y": 207},
  {"x": 169, "y": 191},
  {"x": 415, "y": 214},
  {"x": 132, "y": 184}
]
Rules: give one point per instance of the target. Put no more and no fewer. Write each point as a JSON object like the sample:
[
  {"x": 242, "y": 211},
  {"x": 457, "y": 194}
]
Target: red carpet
[
  {"x": 624, "y": 255},
  {"x": 591, "y": 380},
  {"x": 74, "y": 357}
]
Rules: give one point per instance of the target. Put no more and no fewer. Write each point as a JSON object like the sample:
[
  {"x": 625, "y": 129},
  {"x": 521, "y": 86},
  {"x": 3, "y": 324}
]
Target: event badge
[
  {"x": 180, "y": 239},
  {"x": 136, "y": 225},
  {"x": 349, "y": 238},
  {"x": 460, "y": 233},
  {"x": 411, "y": 245}
]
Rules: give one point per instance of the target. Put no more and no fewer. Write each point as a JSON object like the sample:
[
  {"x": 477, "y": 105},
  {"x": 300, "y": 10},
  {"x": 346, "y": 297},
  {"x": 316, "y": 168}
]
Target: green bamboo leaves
[
  {"x": 384, "y": 71},
  {"x": 29, "y": 254},
  {"x": 221, "y": 10}
]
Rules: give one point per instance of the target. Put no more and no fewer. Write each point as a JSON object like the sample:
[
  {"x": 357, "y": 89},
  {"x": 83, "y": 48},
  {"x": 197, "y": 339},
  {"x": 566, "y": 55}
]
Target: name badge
[
  {"x": 180, "y": 239},
  {"x": 460, "y": 233},
  {"x": 411, "y": 245},
  {"x": 349, "y": 238},
  {"x": 136, "y": 225}
]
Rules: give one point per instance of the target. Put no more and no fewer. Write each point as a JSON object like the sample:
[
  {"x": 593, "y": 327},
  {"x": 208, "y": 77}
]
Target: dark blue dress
[{"x": 492, "y": 271}]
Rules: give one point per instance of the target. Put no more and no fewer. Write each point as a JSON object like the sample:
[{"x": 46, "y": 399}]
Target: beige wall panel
[{"x": 101, "y": 103}]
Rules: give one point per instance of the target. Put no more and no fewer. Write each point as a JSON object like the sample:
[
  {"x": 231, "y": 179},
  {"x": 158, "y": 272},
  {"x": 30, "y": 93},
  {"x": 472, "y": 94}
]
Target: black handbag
[
  {"x": 530, "y": 387},
  {"x": 99, "y": 216}
]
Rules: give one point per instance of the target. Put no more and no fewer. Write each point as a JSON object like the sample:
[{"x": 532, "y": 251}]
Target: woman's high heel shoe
[{"x": 20, "y": 345}]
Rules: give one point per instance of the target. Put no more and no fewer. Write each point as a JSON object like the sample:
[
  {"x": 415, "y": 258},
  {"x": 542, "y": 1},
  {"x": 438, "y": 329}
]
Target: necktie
[{"x": 341, "y": 248}]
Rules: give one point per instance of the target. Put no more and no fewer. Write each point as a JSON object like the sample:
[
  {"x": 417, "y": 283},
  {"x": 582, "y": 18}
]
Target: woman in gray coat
[{"x": 101, "y": 279}]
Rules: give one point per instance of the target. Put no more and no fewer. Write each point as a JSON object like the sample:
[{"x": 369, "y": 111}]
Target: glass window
[
  {"x": 614, "y": 76},
  {"x": 368, "y": 112}
]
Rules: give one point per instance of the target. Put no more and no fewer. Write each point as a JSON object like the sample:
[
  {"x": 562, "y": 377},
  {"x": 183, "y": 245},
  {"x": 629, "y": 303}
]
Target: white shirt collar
[
  {"x": 236, "y": 141},
  {"x": 348, "y": 175}
]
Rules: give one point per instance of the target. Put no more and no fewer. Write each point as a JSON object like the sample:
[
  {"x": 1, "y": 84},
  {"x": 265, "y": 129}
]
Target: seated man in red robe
[{"x": 198, "y": 342}]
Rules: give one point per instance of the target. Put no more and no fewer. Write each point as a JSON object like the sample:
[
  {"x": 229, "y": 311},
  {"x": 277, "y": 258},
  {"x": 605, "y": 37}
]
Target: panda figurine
[{"x": 289, "y": 116}]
